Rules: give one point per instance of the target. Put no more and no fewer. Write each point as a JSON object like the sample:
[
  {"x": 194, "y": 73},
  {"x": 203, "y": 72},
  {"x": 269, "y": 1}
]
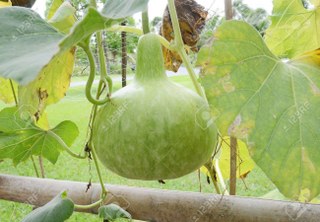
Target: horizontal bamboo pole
[{"x": 160, "y": 205}]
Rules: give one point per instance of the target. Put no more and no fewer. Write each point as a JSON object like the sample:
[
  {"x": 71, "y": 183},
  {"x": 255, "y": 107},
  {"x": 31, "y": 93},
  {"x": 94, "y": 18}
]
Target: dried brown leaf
[{"x": 192, "y": 18}]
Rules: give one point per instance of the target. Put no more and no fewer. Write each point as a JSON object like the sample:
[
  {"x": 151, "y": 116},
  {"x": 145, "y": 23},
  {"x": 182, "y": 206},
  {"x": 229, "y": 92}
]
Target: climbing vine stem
[
  {"x": 91, "y": 77},
  {"x": 178, "y": 45}
]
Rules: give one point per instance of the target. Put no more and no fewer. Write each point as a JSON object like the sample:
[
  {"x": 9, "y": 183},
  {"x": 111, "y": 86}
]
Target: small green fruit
[{"x": 154, "y": 129}]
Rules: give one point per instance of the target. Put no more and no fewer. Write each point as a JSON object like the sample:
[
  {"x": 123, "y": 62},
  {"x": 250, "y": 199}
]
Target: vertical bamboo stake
[
  {"x": 124, "y": 56},
  {"x": 233, "y": 165},
  {"x": 228, "y": 9},
  {"x": 233, "y": 140}
]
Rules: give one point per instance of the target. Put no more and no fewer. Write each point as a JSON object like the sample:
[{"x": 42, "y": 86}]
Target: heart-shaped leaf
[
  {"x": 271, "y": 104},
  {"x": 57, "y": 210}
]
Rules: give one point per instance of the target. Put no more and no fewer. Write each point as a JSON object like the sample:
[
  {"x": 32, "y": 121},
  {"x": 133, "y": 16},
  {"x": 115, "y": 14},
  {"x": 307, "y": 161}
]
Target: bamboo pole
[
  {"x": 233, "y": 141},
  {"x": 160, "y": 205}
]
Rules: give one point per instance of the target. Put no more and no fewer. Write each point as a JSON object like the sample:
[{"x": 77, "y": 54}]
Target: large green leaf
[
  {"x": 6, "y": 94},
  {"x": 50, "y": 86},
  {"x": 20, "y": 139},
  {"x": 294, "y": 29},
  {"x": 27, "y": 44},
  {"x": 117, "y": 9},
  {"x": 64, "y": 17},
  {"x": 58, "y": 209},
  {"x": 271, "y": 104}
]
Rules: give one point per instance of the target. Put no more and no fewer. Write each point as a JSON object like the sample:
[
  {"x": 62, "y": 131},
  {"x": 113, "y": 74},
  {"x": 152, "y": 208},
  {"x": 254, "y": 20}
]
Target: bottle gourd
[{"x": 152, "y": 129}]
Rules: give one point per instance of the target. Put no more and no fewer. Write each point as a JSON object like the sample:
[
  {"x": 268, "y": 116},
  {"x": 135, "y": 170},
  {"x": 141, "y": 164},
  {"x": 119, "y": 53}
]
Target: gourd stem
[
  {"x": 65, "y": 147},
  {"x": 178, "y": 45},
  {"x": 35, "y": 167},
  {"x": 178, "y": 42},
  {"x": 212, "y": 173},
  {"x": 145, "y": 22},
  {"x": 95, "y": 106},
  {"x": 220, "y": 177},
  {"x": 95, "y": 159},
  {"x": 86, "y": 207},
  {"x": 165, "y": 42},
  {"x": 191, "y": 72}
]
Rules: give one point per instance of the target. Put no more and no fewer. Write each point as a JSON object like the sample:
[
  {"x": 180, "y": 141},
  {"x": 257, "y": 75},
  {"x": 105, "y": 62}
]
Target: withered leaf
[{"x": 192, "y": 19}]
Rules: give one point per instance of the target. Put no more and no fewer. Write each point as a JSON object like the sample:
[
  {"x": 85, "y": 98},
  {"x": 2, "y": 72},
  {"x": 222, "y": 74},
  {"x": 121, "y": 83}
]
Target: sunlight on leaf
[
  {"x": 315, "y": 3},
  {"x": 64, "y": 17},
  {"x": 294, "y": 29},
  {"x": 6, "y": 94},
  {"x": 58, "y": 209},
  {"x": 5, "y": 4},
  {"x": 244, "y": 162},
  {"x": 271, "y": 104}
]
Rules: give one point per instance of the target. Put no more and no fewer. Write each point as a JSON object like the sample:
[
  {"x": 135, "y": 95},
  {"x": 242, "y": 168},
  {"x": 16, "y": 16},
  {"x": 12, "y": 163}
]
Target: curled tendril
[{"x": 104, "y": 80}]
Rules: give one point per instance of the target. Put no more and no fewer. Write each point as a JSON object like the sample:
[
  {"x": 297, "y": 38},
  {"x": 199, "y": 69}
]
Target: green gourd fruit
[{"x": 153, "y": 128}]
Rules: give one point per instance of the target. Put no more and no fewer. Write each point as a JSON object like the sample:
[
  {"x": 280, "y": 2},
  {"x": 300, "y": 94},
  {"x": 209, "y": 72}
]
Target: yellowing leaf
[
  {"x": 50, "y": 86},
  {"x": 294, "y": 29},
  {"x": 244, "y": 162},
  {"x": 53, "y": 8},
  {"x": 63, "y": 18},
  {"x": 316, "y": 3},
  {"x": 6, "y": 94},
  {"x": 5, "y": 4}
]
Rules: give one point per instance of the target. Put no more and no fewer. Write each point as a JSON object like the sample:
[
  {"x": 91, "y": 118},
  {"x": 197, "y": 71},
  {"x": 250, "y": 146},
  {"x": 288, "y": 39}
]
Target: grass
[{"x": 75, "y": 107}]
